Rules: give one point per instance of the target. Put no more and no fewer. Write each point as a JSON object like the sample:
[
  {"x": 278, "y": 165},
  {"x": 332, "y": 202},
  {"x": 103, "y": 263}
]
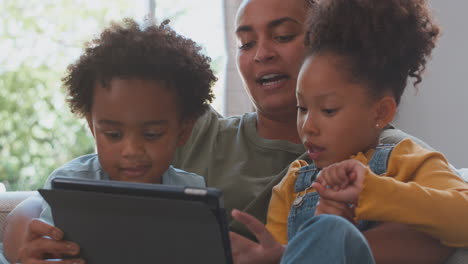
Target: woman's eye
[
  {"x": 246, "y": 46},
  {"x": 285, "y": 38},
  {"x": 113, "y": 134}
]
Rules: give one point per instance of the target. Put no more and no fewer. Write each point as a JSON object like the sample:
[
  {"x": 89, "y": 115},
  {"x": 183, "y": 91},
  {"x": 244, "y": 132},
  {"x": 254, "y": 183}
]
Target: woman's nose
[{"x": 265, "y": 52}]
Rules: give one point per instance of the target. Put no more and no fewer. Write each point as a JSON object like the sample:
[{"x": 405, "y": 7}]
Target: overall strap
[
  {"x": 306, "y": 175},
  {"x": 379, "y": 161},
  {"x": 378, "y": 164}
]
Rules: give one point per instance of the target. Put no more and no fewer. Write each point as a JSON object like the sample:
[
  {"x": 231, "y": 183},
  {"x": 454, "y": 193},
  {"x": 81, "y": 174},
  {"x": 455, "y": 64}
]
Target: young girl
[
  {"x": 360, "y": 54},
  {"x": 140, "y": 88}
]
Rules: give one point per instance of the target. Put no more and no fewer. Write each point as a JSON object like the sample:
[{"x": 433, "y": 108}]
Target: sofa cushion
[{"x": 8, "y": 201}]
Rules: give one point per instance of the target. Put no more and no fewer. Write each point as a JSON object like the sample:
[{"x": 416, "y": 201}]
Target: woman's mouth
[{"x": 269, "y": 80}]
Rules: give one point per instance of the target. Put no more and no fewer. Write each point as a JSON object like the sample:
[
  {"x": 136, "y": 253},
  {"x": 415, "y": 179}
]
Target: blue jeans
[{"x": 327, "y": 239}]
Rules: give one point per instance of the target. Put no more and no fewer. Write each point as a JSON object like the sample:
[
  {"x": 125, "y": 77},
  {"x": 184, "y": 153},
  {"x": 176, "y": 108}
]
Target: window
[
  {"x": 38, "y": 39},
  {"x": 202, "y": 21}
]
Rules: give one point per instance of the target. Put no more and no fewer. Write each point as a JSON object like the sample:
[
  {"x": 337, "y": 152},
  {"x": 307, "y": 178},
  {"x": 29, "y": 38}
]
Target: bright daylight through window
[{"x": 38, "y": 39}]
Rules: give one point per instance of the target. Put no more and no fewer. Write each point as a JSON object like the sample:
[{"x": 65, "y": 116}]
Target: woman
[{"x": 247, "y": 155}]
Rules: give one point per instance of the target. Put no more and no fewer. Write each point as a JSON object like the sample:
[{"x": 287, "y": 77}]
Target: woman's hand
[
  {"x": 245, "y": 251},
  {"x": 342, "y": 181},
  {"x": 44, "y": 242}
]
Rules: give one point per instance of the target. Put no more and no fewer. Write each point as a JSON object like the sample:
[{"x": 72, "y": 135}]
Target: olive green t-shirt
[{"x": 232, "y": 157}]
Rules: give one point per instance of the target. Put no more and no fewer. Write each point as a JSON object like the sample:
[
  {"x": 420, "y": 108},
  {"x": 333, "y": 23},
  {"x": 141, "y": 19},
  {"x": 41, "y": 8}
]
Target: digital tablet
[{"x": 123, "y": 222}]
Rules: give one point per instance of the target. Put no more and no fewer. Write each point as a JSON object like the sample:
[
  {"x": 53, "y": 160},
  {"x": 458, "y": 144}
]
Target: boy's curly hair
[
  {"x": 127, "y": 50},
  {"x": 382, "y": 41}
]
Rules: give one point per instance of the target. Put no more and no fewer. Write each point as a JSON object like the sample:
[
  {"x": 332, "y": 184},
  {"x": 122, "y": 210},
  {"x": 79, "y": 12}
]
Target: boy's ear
[
  {"x": 185, "y": 132},
  {"x": 89, "y": 120},
  {"x": 385, "y": 111}
]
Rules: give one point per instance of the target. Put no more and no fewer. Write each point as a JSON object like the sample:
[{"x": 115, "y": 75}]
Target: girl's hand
[
  {"x": 341, "y": 182},
  {"x": 44, "y": 242},
  {"x": 245, "y": 251},
  {"x": 325, "y": 206}
]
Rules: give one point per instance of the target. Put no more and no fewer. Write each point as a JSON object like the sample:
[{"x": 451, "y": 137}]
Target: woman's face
[{"x": 270, "y": 39}]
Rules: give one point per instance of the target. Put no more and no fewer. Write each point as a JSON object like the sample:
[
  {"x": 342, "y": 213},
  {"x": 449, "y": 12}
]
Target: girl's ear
[
  {"x": 185, "y": 131},
  {"x": 385, "y": 111},
  {"x": 89, "y": 120}
]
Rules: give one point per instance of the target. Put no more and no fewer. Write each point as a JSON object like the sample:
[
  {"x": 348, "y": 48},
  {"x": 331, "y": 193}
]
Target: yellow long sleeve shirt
[{"x": 419, "y": 189}]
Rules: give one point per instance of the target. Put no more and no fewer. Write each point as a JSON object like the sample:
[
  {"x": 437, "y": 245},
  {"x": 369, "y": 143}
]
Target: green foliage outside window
[{"x": 38, "y": 39}]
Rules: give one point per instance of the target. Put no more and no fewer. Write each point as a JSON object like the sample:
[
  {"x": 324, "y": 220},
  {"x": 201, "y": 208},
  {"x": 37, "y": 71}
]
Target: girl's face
[
  {"x": 270, "y": 41},
  {"x": 336, "y": 118},
  {"x": 137, "y": 127}
]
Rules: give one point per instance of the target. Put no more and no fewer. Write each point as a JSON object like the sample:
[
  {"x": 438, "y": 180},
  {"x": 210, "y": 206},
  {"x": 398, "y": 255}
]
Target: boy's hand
[
  {"x": 44, "y": 242},
  {"x": 341, "y": 182},
  {"x": 245, "y": 251},
  {"x": 325, "y": 206}
]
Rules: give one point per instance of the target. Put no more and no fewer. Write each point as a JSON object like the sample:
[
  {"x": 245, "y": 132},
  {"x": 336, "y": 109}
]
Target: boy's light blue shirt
[{"x": 88, "y": 167}]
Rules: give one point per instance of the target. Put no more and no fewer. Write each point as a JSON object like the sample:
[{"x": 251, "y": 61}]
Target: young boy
[{"x": 140, "y": 89}]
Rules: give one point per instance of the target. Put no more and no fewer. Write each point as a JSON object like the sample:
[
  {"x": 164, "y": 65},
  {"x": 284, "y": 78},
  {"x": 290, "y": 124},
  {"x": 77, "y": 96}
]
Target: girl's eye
[
  {"x": 246, "y": 46},
  {"x": 301, "y": 109},
  {"x": 285, "y": 38},
  {"x": 152, "y": 136},
  {"x": 329, "y": 111},
  {"x": 113, "y": 134}
]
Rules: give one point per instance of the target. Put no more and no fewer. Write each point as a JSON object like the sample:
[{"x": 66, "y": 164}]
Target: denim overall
[{"x": 303, "y": 207}]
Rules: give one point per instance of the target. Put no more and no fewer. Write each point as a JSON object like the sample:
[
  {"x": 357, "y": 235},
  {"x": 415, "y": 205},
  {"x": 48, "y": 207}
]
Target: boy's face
[
  {"x": 336, "y": 118},
  {"x": 137, "y": 127}
]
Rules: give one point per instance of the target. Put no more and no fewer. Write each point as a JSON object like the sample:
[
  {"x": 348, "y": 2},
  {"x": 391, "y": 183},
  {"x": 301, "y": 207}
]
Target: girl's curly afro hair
[
  {"x": 151, "y": 52},
  {"x": 383, "y": 41}
]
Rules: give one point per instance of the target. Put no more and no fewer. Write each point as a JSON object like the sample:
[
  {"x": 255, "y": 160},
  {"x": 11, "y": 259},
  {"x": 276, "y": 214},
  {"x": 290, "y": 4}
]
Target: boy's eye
[
  {"x": 247, "y": 45},
  {"x": 329, "y": 111},
  {"x": 113, "y": 134},
  {"x": 285, "y": 38}
]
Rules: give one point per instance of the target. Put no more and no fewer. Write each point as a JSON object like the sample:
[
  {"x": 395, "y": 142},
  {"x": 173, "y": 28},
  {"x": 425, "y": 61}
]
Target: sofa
[{"x": 8, "y": 201}]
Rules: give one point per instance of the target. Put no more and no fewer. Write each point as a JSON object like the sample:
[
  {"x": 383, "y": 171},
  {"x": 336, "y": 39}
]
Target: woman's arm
[{"x": 396, "y": 243}]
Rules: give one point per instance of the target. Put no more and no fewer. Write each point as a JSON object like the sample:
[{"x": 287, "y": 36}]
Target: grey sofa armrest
[
  {"x": 8, "y": 201},
  {"x": 459, "y": 257}
]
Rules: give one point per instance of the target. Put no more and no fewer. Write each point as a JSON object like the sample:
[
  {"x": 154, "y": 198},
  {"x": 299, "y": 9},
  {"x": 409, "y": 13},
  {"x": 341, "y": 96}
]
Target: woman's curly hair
[
  {"x": 128, "y": 50},
  {"x": 383, "y": 41}
]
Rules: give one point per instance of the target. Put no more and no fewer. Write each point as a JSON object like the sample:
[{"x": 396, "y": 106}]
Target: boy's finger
[
  {"x": 42, "y": 247},
  {"x": 38, "y": 228},
  {"x": 55, "y": 248},
  {"x": 256, "y": 227}
]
